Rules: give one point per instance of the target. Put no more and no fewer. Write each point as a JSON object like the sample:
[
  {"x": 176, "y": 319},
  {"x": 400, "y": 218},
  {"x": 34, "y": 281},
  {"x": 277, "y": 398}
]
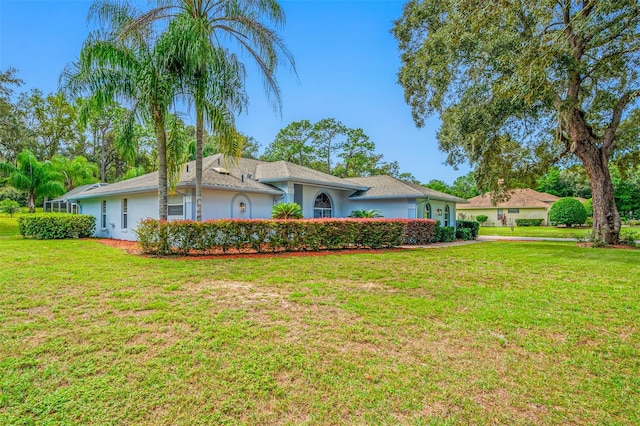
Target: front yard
[
  {"x": 535, "y": 231},
  {"x": 512, "y": 333}
]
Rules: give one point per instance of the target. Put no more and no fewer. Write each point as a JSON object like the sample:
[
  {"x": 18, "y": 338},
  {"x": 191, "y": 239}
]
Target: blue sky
[{"x": 346, "y": 58}]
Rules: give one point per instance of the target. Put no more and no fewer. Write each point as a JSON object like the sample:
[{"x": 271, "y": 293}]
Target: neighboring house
[
  {"x": 64, "y": 203},
  {"x": 250, "y": 188},
  {"x": 523, "y": 203}
]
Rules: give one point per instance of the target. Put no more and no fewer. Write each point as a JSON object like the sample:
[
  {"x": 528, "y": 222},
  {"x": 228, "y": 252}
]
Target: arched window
[
  {"x": 427, "y": 211},
  {"x": 446, "y": 215},
  {"x": 322, "y": 206}
]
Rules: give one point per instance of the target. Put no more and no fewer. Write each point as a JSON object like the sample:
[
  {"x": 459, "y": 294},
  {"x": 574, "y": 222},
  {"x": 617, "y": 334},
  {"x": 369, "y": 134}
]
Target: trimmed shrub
[
  {"x": 9, "y": 207},
  {"x": 56, "y": 226},
  {"x": 258, "y": 235},
  {"x": 286, "y": 211},
  {"x": 567, "y": 211},
  {"x": 420, "y": 232},
  {"x": 445, "y": 234},
  {"x": 471, "y": 225},
  {"x": 529, "y": 222},
  {"x": 482, "y": 218},
  {"x": 463, "y": 234}
]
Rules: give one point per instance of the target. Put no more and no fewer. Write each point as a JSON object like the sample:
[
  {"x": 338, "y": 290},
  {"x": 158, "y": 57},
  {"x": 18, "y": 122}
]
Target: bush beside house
[
  {"x": 567, "y": 211},
  {"x": 56, "y": 226},
  {"x": 471, "y": 225},
  {"x": 259, "y": 235}
]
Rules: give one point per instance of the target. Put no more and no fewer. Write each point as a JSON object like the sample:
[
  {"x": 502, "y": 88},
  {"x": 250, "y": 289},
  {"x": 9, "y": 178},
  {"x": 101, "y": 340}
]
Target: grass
[
  {"x": 511, "y": 333},
  {"x": 8, "y": 224},
  {"x": 535, "y": 231}
]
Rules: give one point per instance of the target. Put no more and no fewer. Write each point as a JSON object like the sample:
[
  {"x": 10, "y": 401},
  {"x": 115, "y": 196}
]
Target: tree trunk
[
  {"x": 31, "y": 202},
  {"x": 103, "y": 159},
  {"x": 199, "y": 148},
  {"x": 161, "y": 136},
  {"x": 606, "y": 219}
]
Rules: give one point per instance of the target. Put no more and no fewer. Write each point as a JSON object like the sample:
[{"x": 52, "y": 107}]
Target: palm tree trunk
[
  {"x": 31, "y": 202},
  {"x": 199, "y": 149},
  {"x": 161, "y": 136}
]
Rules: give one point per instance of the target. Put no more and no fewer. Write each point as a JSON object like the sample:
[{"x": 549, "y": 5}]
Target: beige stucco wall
[{"x": 525, "y": 213}]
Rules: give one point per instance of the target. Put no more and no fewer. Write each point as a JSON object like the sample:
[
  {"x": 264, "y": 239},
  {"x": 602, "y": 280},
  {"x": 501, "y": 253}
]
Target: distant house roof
[
  {"x": 385, "y": 187},
  {"x": 520, "y": 198},
  {"x": 79, "y": 190}
]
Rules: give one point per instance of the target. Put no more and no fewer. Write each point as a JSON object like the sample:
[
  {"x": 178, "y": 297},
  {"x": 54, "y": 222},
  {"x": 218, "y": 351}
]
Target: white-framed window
[
  {"x": 322, "y": 206},
  {"x": 513, "y": 211},
  {"x": 447, "y": 215},
  {"x": 124, "y": 220},
  {"x": 175, "y": 210},
  {"x": 103, "y": 215}
]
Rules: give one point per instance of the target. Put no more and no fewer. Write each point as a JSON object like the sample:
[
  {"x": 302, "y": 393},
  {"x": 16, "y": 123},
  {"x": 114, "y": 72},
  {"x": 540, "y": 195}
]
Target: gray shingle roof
[
  {"x": 241, "y": 178},
  {"x": 79, "y": 190},
  {"x": 389, "y": 187},
  {"x": 279, "y": 171},
  {"x": 254, "y": 176}
]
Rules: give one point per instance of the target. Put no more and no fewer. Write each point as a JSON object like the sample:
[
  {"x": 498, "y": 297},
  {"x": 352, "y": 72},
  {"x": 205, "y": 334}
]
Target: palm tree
[
  {"x": 198, "y": 28},
  {"x": 112, "y": 68},
  {"x": 37, "y": 179},
  {"x": 76, "y": 172}
]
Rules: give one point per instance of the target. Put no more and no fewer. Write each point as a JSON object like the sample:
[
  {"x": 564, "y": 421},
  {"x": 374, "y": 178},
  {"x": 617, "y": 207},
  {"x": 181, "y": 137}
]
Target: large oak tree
[{"x": 521, "y": 84}]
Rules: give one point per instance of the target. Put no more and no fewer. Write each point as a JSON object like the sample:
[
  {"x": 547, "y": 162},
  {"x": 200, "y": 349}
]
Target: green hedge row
[
  {"x": 48, "y": 226},
  {"x": 445, "y": 234},
  {"x": 529, "y": 222},
  {"x": 257, "y": 235},
  {"x": 471, "y": 225}
]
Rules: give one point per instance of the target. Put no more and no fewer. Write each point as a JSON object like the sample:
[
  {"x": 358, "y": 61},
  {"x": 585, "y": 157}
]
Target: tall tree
[
  {"x": 76, "y": 172},
  {"x": 50, "y": 123},
  {"x": 465, "y": 186},
  {"x": 131, "y": 70},
  {"x": 102, "y": 121},
  {"x": 328, "y": 139},
  {"x": 10, "y": 124},
  {"x": 569, "y": 182},
  {"x": 522, "y": 84},
  {"x": 438, "y": 185},
  {"x": 199, "y": 57},
  {"x": 292, "y": 143},
  {"x": 37, "y": 179},
  {"x": 358, "y": 157}
]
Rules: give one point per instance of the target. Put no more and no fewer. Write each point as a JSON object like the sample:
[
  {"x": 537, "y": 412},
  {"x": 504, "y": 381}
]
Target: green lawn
[
  {"x": 501, "y": 332},
  {"x": 535, "y": 231},
  {"x": 8, "y": 225}
]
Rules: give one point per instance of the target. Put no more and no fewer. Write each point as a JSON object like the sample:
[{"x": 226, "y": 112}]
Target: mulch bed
[{"x": 132, "y": 247}]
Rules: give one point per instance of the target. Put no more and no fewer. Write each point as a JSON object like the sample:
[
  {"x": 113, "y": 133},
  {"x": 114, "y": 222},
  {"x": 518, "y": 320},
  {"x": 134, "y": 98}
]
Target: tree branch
[{"x": 609, "y": 139}]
